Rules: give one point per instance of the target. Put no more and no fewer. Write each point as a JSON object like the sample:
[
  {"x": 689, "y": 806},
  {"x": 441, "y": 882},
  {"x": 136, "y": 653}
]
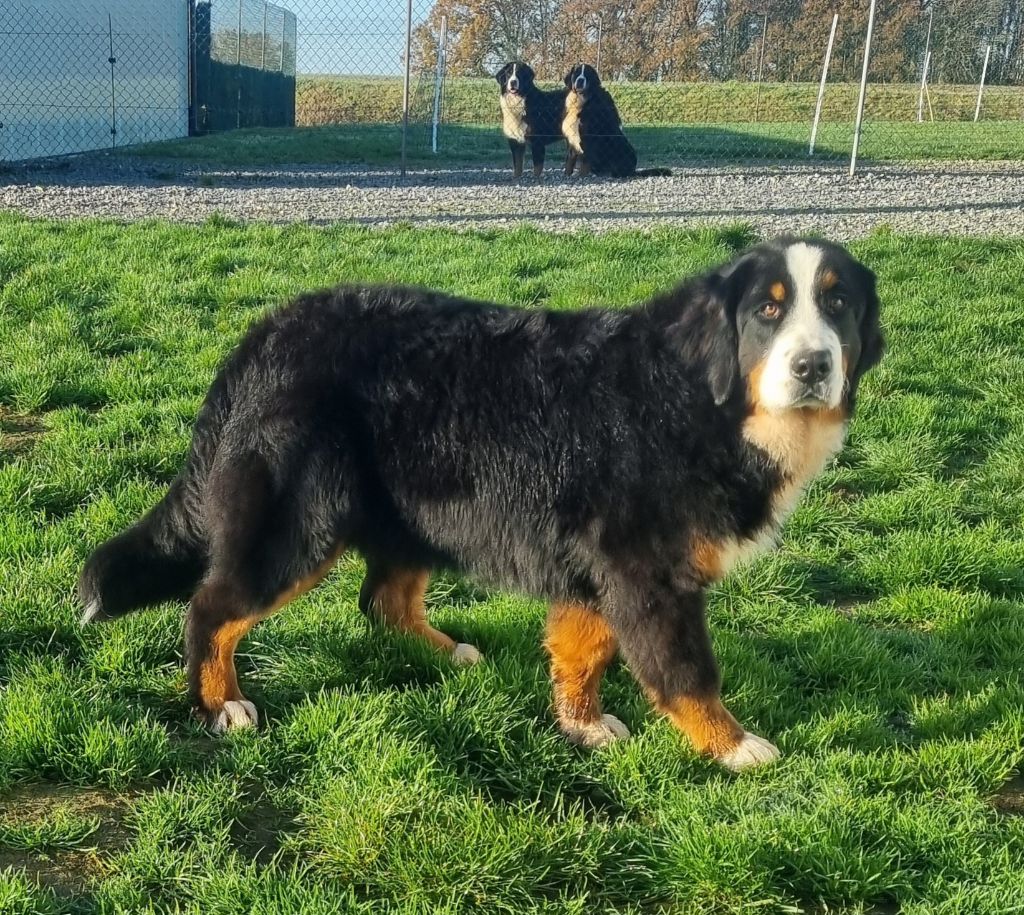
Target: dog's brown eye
[
  {"x": 837, "y": 303},
  {"x": 772, "y": 311}
]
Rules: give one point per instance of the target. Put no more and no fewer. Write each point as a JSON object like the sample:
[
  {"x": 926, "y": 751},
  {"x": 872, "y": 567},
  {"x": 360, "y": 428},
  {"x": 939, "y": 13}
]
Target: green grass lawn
[
  {"x": 881, "y": 647},
  {"x": 709, "y": 144}
]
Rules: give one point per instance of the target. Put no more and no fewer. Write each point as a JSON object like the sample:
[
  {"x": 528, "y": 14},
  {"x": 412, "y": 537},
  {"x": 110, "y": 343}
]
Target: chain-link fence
[
  {"x": 703, "y": 81},
  {"x": 80, "y": 75}
]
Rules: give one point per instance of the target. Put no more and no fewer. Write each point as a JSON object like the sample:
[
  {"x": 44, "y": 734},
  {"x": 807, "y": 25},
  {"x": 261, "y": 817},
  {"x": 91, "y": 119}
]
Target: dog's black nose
[
  {"x": 812, "y": 366},
  {"x": 513, "y": 84}
]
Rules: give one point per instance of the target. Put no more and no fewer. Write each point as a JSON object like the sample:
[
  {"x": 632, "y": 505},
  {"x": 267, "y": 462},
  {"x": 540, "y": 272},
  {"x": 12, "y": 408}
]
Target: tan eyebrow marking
[
  {"x": 778, "y": 292},
  {"x": 829, "y": 279}
]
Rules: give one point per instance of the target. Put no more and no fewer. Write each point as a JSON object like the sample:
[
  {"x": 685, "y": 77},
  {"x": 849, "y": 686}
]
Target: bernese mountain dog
[
  {"x": 614, "y": 462},
  {"x": 528, "y": 115},
  {"x": 593, "y": 130}
]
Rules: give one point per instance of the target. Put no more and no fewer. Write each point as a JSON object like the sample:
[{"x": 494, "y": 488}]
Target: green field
[
  {"x": 881, "y": 647},
  {"x": 353, "y": 99},
  {"x": 709, "y": 144},
  {"x": 355, "y": 120}
]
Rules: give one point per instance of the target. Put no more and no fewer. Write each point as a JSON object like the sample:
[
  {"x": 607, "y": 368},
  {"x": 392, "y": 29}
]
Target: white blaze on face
[
  {"x": 803, "y": 330},
  {"x": 581, "y": 80}
]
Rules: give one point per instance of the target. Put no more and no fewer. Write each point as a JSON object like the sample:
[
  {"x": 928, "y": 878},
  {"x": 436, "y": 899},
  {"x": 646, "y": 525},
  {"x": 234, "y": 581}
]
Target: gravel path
[{"x": 965, "y": 199}]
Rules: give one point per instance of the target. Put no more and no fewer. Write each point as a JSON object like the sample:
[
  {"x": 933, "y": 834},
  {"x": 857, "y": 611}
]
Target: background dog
[
  {"x": 529, "y": 116},
  {"x": 614, "y": 461},
  {"x": 593, "y": 130}
]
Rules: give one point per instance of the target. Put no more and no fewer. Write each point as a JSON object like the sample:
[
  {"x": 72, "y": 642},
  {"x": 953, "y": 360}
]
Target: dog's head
[
  {"x": 582, "y": 79},
  {"x": 515, "y": 78},
  {"x": 792, "y": 325}
]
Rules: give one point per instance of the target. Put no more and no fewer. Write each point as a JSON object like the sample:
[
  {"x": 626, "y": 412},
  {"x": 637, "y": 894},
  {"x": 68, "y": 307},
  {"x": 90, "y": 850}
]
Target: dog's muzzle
[{"x": 812, "y": 369}]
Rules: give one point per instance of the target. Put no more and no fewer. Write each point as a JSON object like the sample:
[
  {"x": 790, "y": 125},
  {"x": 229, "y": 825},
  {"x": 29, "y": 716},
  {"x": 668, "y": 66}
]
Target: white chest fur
[
  {"x": 801, "y": 442},
  {"x": 571, "y": 122},
  {"x": 513, "y": 117}
]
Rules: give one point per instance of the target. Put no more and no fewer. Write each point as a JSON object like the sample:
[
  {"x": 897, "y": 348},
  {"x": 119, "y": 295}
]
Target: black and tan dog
[
  {"x": 593, "y": 130},
  {"x": 613, "y": 461},
  {"x": 529, "y": 116}
]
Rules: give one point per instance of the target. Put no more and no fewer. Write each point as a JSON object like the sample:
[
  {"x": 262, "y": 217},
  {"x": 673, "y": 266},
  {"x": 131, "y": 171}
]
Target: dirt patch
[
  {"x": 66, "y": 871},
  {"x": 1009, "y": 799},
  {"x": 18, "y": 431},
  {"x": 259, "y": 832}
]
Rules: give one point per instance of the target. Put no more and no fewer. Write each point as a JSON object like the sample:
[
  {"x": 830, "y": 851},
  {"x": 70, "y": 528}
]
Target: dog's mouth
[{"x": 814, "y": 396}]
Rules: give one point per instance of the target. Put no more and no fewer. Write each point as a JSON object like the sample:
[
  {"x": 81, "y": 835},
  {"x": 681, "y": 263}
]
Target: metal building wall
[{"x": 59, "y": 91}]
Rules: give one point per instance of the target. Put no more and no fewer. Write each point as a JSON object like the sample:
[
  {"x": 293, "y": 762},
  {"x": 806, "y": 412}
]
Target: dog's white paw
[
  {"x": 466, "y": 655},
  {"x": 751, "y": 751},
  {"x": 236, "y": 714},
  {"x": 594, "y": 734}
]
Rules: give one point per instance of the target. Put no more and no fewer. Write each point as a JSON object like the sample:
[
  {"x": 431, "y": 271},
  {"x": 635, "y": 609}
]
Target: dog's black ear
[
  {"x": 568, "y": 78},
  {"x": 872, "y": 341},
  {"x": 723, "y": 291},
  {"x": 502, "y": 74}
]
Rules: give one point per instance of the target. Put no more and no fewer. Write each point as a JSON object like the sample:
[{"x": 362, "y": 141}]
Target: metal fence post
[
  {"x": 238, "y": 67},
  {"x": 924, "y": 86},
  {"x": 863, "y": 90},
  {"x": 824, "y": 79},
  {"x": 981, "y": 85},
  {"x": 405, "y": 86},
  {"x": 263, "y": 52},
  {"x": 113, "y": 93},
  {"x": 924, "y": 69},
  {"x": 760, "y": 70},
  {"x": 439, "y": 79}
]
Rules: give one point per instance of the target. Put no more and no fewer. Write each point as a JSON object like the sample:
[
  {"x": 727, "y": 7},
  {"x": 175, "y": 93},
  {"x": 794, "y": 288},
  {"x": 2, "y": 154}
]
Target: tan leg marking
[
  {"x": 581, "y": 646},
  {"x": 714, "y": 732},
  {"x": 397, "y": 601},
  {"x": 218, "y": 681}
]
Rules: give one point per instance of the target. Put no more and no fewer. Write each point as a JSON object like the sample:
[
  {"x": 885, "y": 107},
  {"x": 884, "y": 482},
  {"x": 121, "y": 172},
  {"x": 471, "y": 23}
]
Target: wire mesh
[{"x": 694, "y": 81}]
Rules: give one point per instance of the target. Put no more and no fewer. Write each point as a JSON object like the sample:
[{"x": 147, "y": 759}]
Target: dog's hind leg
[
  {"x": 581, "y": 646},
  {"x": 262, "y": 557},
  {"x": 394, "y": 596}
]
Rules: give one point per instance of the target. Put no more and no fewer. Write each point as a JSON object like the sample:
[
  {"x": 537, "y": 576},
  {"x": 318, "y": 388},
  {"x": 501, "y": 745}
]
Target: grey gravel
[{"x": 956, "y": 198}]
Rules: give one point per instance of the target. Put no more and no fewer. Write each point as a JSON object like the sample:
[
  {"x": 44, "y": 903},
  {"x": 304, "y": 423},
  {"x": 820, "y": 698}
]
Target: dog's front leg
[{"x": 663, "y": 635}]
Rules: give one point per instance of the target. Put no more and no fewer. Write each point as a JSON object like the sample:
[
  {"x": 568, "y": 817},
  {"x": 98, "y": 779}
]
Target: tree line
[{"x": 700, "y": 40}]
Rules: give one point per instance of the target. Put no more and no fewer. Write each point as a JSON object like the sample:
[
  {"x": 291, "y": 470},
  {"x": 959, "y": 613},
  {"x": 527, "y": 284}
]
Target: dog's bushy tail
[
  {"x": 653, "y": 173},
  {"x": 159, "y": 558}
]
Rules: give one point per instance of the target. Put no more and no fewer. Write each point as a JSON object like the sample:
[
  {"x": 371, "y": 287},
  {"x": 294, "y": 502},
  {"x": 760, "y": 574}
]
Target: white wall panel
[{"x": 55, "y": 77}]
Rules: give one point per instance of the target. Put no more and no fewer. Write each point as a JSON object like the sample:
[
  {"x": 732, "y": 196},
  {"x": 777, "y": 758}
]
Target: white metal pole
[
  {"x": 981, "y": 85},
  {"x": 821, "y": 88},
  {"x": 760, "y": 69},
  {"x": 863, "y": 90},
  {"x": 438, "y": 79},
  {"x": 600, "y": 37},
  {"x": 924, "y": 69},
  {"x": 404, "y": 90},
  {"x": 924, "y": 86}
]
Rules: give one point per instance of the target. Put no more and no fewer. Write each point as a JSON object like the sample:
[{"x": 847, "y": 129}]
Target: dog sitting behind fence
[
  {"x": 528, "y": 115},
  {"x": 593, "y": 130}
]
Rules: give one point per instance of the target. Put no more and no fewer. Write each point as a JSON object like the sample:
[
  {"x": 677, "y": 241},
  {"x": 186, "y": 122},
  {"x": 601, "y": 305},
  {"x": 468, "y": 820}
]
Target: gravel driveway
[{"x": 965, "y": 199}]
